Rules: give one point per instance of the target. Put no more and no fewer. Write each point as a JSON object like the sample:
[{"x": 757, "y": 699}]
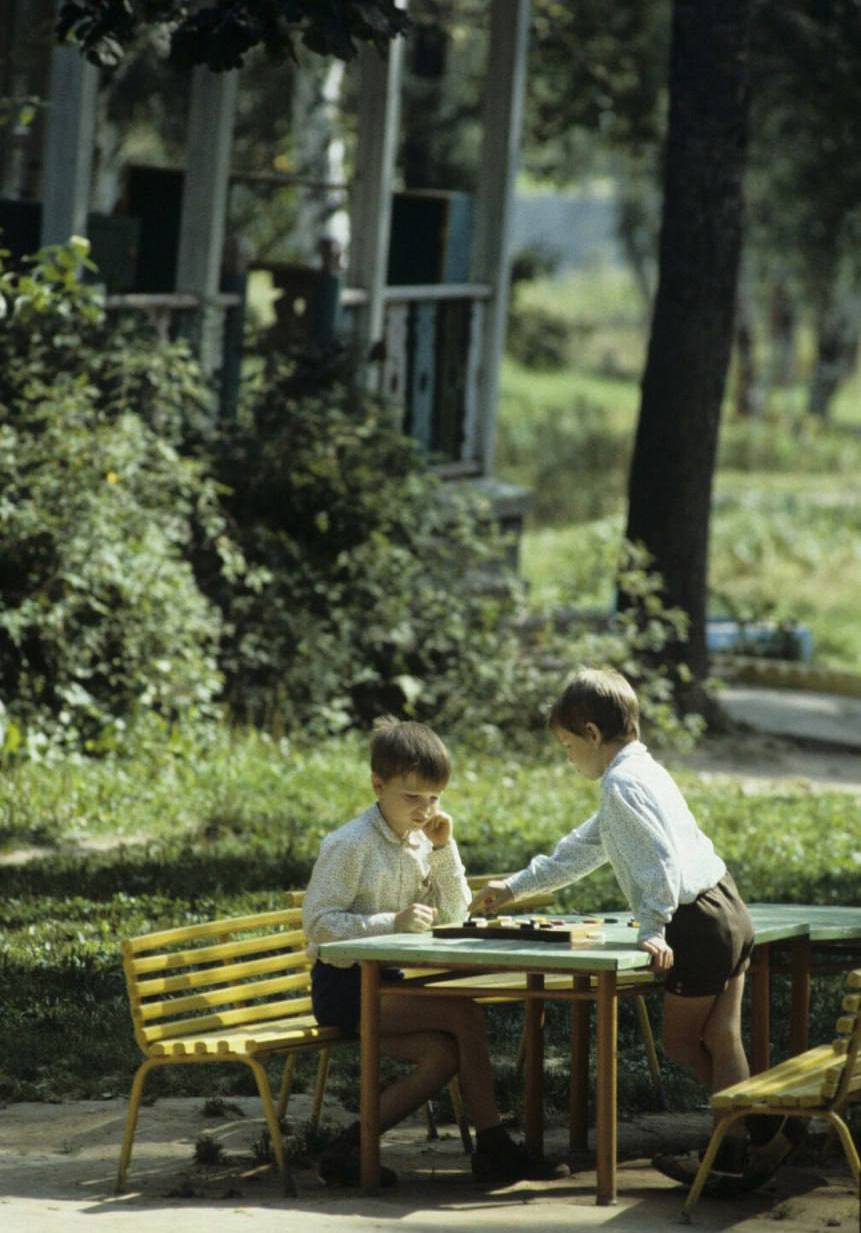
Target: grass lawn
[{"x": 225, "y": 827}]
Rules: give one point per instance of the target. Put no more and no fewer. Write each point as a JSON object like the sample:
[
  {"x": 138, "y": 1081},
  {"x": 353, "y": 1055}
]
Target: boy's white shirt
[
  {"x": 645, "y": 829},
  {"x": 366, "y": 874}
]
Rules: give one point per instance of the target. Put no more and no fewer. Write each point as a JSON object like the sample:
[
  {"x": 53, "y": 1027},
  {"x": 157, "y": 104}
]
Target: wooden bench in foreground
[{"x": 820, "y": 1082}]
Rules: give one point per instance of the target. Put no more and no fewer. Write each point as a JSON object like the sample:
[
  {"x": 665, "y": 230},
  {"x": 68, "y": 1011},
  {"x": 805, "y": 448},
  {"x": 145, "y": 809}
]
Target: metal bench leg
[
  {"x": 274, "y": 1128},
  {"x": 707, "y": 1161},
  {"x": 132, "y": 1121},
  {"x": 848, "y": 1144}
]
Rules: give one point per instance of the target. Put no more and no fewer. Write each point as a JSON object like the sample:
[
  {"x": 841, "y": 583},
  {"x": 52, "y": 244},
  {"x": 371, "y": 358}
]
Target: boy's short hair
[
  {"x": 400, "y": 747},
  {"x": 599, "y": 696}
]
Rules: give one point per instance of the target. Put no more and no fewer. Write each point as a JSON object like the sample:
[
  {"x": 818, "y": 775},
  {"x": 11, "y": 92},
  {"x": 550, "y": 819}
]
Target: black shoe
[
  {"x": 764, "y": 1161},
  {"x": 511, "y": 1162},
  {"x": 343, "y": 1168}
]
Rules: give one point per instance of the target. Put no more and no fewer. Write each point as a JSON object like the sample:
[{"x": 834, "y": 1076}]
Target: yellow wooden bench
[
  {"x": 234, "y": 990},
  {"x": 820, "y": 1082}
]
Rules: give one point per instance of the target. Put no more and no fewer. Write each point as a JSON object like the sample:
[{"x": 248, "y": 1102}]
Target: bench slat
[
  {"x": 232, "y": 995},
  {"x": 164, "y": 961},
  {"x": 226, "y": 974},
  {"x": 226, "y": 1018},
  {"x": 290, "y": 1033},
  {"x": 212, "y": 929},
  {"x": 795, "y": 1073}
]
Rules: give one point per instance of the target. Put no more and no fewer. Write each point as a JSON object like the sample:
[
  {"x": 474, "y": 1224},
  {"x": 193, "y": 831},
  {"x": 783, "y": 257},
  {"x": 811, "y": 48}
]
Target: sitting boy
[{"x": 396, "y": 868}]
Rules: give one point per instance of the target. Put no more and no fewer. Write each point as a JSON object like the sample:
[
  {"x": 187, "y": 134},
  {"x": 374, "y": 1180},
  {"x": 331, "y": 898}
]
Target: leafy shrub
[
  {"x": 369, "y": 585},
  {"x": 101, "y": 617}
]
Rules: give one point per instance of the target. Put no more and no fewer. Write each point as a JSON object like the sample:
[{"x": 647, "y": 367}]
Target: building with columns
[{"x": 432, "y": 333}]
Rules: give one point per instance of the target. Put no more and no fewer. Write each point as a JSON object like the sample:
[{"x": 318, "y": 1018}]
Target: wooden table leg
[
  {"x": 800, "y": 1011},
  {"x": 605, "y": 1088},
  {"x": 760, "y": 1008},
  {"x": 578, "y": 1093},
  {"x": 533, "y": 1077},
  {"x": 369, "y": 1081}
]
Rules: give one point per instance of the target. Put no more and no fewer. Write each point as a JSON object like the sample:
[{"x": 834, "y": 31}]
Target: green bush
[
  {"x": 369, "y": 588},
  {"x": 101, "y": 618}
]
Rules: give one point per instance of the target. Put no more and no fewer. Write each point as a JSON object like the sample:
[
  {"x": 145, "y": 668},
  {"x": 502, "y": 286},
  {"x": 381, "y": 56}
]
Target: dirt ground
[
  {"x": 58, "y": 1161},
  {"x": 57, "y": 1166}
]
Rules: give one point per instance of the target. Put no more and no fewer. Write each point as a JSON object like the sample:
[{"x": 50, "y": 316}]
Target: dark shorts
[
  {"x": 712, "y": 939},
  {"x": 336, "y": 994}
]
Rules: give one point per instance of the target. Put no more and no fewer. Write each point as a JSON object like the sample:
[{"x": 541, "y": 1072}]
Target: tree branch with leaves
[{"x": 220, "y": 33}]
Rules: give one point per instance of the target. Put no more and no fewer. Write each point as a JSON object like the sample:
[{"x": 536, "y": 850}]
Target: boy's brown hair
[
  {"x": 401, "y": 747},
  {"x": 601, "y": 697}
]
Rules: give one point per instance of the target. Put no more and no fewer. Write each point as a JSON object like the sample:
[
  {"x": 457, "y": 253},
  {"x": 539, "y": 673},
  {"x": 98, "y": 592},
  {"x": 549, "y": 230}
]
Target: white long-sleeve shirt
[
  {"x": 366, "y": 874},
  {"x": 645, "y": 829}
]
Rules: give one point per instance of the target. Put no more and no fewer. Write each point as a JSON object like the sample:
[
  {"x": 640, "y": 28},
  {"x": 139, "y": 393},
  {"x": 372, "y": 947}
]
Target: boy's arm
[
  {"x": 449, "y": 888},
  {"x": 575, "y": 855}
]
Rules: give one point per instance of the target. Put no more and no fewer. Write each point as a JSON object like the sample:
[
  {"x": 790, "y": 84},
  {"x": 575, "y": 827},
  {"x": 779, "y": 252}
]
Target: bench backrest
[
  {"x": 844, "y": 1078},
  {"x": 224, "y": 973}
]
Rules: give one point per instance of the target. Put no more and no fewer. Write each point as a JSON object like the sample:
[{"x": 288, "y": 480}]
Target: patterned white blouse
[
  {"x": 366, "y": 874},
  {"x": 646, "y": 831}
]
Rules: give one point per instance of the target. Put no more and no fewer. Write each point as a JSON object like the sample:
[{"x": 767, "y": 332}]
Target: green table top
[
  {"x": 616, "y": 949},
  {"x": 820, "y": 922}
]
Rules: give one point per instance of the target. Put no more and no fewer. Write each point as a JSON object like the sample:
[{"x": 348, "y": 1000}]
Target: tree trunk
[{"x": 692, "y": 326}]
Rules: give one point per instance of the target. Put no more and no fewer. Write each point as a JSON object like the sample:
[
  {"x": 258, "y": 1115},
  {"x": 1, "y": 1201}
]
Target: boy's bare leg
[
  {"x": 704, "y": 1034},
  {"x": 434, "y": 1060},
  {"x": 722, "y": 1036},
  {"x": 403, "y": 1019}
]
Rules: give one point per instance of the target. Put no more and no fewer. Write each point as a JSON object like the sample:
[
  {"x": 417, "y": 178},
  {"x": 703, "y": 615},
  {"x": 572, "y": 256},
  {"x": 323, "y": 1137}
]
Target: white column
[
  {"x": 371, "y": 205},
  {"x": 204, "y": 199},
  {"x": 69, "y": 138},
  {"x": 503, "y": 110}
]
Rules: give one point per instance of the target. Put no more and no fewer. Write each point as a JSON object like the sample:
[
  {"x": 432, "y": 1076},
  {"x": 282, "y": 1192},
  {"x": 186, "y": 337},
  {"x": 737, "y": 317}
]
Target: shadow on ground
[{"x": 57, "y": 1167}]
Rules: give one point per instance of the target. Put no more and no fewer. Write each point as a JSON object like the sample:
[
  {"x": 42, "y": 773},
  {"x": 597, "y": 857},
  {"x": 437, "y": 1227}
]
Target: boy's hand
[
  {"x": 417, "y": 918},
  {"x": 492, "y": 895},
  {"x": 662, "y": 954},
  {"x": 438, "y": 829}
]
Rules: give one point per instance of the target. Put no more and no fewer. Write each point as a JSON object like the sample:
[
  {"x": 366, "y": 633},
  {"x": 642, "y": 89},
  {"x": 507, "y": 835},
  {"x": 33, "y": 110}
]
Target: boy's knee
[{"x": 721, "y": 1035}]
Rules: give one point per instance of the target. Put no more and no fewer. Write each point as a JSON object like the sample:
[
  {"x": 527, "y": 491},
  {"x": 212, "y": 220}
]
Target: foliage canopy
[{"x": 220, "y": 33}]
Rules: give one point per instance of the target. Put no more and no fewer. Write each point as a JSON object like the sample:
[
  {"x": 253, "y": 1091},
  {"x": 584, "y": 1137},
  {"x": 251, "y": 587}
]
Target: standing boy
[
  {"x": 692, "y": 920},
  {"x": 396, "y": 868}
]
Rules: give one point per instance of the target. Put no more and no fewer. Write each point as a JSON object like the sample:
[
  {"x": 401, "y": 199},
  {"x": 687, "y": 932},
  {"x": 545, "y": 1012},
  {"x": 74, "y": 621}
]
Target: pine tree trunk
[{"x": 692, "y": 326}]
